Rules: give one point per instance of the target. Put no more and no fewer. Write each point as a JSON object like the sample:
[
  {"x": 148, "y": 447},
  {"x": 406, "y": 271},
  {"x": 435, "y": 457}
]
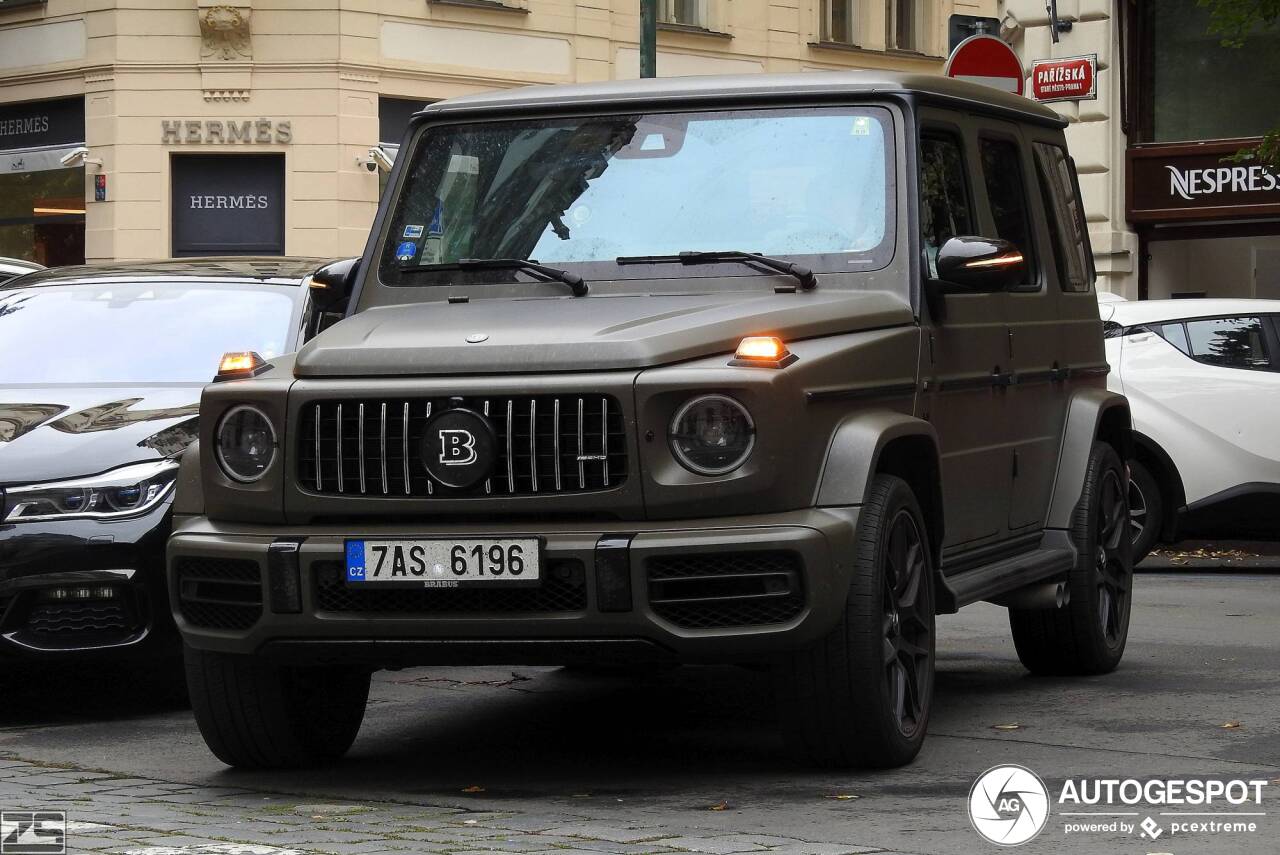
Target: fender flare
[
  {"x": 1092, "y": 414},
  {"x": 188, "y": 495},
  {"x": 1143, "y": 444}
]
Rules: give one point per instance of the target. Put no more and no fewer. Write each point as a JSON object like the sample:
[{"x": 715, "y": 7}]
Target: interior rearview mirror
[{"x": 980, "y": 265}]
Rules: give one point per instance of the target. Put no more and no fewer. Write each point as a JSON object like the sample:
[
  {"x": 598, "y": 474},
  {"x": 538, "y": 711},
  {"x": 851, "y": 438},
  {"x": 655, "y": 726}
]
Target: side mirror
[
  {"x": 980, "y": 265},
  {"x": 333, "y": 283}
]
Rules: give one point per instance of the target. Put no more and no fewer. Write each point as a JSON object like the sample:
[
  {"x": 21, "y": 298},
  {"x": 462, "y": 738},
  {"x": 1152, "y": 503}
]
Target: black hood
[
  {"x": 51, "y": 433},
  {"x": 581, "y": 333}
]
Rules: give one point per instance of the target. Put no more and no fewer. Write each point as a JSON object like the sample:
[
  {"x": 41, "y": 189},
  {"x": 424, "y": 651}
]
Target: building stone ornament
[{"x": 224, "y": 33}]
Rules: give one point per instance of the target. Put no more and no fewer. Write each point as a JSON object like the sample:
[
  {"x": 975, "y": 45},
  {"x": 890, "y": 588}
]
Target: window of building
[
  {"x": 906, "y": 25},
  {"x": 838, "y": 21},
  {"x": 945, "y": 210},
  {"x": 685, "y": 13},
  {"x": 1229, "y": 342},
  {"x": 1065, "y": 214},
  {"x": 42, "y": 216},
  {"x": 1007, "y": 196},
  {"x": 1197, "y": 89}
]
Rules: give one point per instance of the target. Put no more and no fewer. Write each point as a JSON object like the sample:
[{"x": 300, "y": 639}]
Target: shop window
[
  {"x": 1007, "y": 196},
  {"x": 684, "y": 13},
  {"x": 227, "y": 204},
  {"x": 1065, "y": 214},
  {"x": 1229, "y": 342},
  {"x": 42, "y": 216},
  {"x": 1199, "y": 89},
  {"x": 838, "y": 21},
  {"x": 945, "y": 210}
]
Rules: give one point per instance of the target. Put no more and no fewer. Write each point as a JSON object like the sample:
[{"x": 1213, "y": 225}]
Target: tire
[
  {"x": 1146, "y": 510},
  {"x": 257, "y": 715},
  {"x": 860, "y": 697},
  {"x": 1088, "y": 635}
]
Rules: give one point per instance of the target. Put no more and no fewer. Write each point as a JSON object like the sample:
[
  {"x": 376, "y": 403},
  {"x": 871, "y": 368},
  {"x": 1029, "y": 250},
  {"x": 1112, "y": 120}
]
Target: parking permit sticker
[
  {"x": 413, "y": 231},
  {"x": 355, "y": 560},
  {"x": 406, "y": 251},
  {"x": 861, "y": 127}
]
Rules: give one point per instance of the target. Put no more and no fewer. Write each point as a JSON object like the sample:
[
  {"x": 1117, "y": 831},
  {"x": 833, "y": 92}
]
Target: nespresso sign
[
  {"x": 232, "y": 131},
  {"x": 1198, "y": 181}
]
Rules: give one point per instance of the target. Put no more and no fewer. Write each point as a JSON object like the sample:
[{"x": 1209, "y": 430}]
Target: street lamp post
[{"x": 648, "y": 38}]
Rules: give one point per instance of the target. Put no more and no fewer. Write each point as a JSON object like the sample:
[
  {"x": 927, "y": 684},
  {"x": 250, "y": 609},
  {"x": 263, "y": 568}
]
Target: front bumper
[
  {"x": 126, "y": 557},
  {"x": 715, "y": 590}
]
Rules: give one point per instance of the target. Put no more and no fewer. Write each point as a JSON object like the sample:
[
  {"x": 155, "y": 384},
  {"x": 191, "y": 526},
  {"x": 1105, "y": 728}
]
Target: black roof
[
  {"x": 272, "y": 270},
  {"x": 782, "y": 87}
]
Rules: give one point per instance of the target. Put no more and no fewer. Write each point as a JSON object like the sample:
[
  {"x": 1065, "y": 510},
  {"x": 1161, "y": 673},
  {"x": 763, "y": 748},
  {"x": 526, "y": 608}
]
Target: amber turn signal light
[
  {"x": 763, "y": 351},
  {"x": 244, "y": 363}
]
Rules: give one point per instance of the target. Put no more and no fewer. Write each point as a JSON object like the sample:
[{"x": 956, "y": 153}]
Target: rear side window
[
  {"x": 1175, "y": 334},
  {"x": 945, "y": 210},
  {"x": 1229, "y": 342},
  {"x": 1007, "y": 195},
  {"x": 1066, "y": 217}
]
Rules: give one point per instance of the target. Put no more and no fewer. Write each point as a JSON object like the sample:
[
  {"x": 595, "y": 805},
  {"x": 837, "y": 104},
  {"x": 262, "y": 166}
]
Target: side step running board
[{"x": 1018, "y": 571}]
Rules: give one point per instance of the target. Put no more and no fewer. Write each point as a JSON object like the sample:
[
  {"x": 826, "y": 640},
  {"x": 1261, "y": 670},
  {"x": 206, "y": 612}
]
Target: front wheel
[
  {"x": 860, "y": 697},
  {"x": 255, "y": 714},
  {"x": 1088, "y": 635}
]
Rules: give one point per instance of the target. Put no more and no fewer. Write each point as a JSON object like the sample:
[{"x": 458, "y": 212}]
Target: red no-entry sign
[{"x": 987, "y": 60}]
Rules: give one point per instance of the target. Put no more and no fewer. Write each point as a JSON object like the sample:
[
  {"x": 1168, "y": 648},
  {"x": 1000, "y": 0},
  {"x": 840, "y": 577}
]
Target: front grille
[
  {"x": 545, "y": 444},
  {"x": 705, "y": 591},
  {"x": 563, "y": 590},
  {"x": 80, "y": 621},
  {"x": 219, "y": 593}
]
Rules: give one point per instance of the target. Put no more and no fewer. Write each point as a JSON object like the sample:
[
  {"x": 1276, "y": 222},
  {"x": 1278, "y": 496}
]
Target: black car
[{"x": 100, "y": 375}]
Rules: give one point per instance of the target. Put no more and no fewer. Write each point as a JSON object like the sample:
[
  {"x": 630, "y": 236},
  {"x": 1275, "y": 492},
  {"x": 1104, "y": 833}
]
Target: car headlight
[
  {"x": 246, "y": 444},
  {"x": 712, "y": 435},
  {"x": 124, "y": 492}
]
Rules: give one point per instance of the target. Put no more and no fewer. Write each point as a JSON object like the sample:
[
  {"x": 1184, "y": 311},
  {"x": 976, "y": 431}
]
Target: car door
[
  {"x": 1207, "y": 390},
  {"x": 1034, "y": 399},
  {"x": 967, "y": 343}
]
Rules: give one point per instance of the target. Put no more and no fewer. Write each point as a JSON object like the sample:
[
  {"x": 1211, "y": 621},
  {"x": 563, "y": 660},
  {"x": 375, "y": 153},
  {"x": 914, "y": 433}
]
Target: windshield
[
  {"x": 812, "y": 185},
  {"x": 136, "y": 332}
]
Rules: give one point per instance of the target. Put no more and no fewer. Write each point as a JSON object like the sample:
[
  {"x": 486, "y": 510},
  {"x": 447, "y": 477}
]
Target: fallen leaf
[
  {"x": 1231, "y": 725},
  {"x": 581, "y": 795},
  {"x": 1006, "y": 727},
  {"x": 470, "y": 821},
  {"x": 845, "y": 797},
  {"x": 474, "y": 789},
  {"x": 720, "y": 806}
]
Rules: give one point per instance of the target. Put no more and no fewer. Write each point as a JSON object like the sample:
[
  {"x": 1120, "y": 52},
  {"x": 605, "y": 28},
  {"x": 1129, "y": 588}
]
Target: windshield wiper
[
  {"x": 804, "y": 275},
  {"x": 550, "y": 274}
]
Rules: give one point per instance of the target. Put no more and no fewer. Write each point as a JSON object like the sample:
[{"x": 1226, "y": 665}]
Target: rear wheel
[
  {"x": 861, "y": 696},
  {"x": 258, "y": 715},
  {"x": 1088, "y": 635},
  {"x": 1146, "y": 510}
]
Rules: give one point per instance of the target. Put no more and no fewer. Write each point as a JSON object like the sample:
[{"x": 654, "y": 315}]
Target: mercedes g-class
[{"x": 766, "y": 370}]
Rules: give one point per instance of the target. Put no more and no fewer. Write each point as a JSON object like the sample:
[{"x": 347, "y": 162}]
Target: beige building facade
[
  {"x": 1170, "y": 213},
  {"x": 150, "y": 128}
]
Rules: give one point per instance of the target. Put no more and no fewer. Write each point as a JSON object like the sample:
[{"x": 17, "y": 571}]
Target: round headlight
[
  {"x": 712, "y": 435},
  {"x": 246, "y": 444}
]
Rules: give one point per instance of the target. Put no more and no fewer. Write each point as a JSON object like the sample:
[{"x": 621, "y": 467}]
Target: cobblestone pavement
[{"x": 530, "y": 760}]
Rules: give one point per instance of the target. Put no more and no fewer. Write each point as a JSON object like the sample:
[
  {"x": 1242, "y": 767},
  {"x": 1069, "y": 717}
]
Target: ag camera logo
[{"x": 1009, "y": 805}]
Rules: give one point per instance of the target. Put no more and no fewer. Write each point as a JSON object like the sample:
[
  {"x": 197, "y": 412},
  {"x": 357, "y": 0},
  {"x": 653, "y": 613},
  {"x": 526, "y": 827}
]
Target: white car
[{"x": 1203, "y": 380}]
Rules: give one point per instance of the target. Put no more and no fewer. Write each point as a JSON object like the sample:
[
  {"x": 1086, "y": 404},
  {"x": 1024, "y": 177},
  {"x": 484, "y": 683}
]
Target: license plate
[{"x": 444, "y": 562}]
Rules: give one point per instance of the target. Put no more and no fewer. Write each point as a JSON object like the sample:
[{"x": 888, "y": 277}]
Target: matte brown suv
[{"x": 766, "y": 369}]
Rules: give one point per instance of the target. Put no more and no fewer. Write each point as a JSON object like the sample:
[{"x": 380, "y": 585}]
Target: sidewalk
[{"x": 1237, "y": 555}]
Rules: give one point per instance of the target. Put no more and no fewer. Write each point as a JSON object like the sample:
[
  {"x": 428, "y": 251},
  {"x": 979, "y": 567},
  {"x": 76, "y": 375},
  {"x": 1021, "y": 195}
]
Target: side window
[
  {"x": 945, "y": 210},
  {"x": 1229, "y": 342},
  {"x": 1175, "y": 334},
  {"x": 1007, "y": 195},
  {"x": 1066, "y": 217}
]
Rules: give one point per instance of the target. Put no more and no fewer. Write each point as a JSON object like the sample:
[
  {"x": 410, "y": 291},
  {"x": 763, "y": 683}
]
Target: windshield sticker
[
  {"x": 437, "y": 221},
  {"x": 413, "y": 231},
  {"x": 406, "y": 251},
  {"x": 861, "y": 127}
]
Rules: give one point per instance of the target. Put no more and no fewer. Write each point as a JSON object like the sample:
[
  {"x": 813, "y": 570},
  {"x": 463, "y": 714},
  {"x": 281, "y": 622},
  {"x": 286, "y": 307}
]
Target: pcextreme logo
[{"x": 1009, "y": 805}]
